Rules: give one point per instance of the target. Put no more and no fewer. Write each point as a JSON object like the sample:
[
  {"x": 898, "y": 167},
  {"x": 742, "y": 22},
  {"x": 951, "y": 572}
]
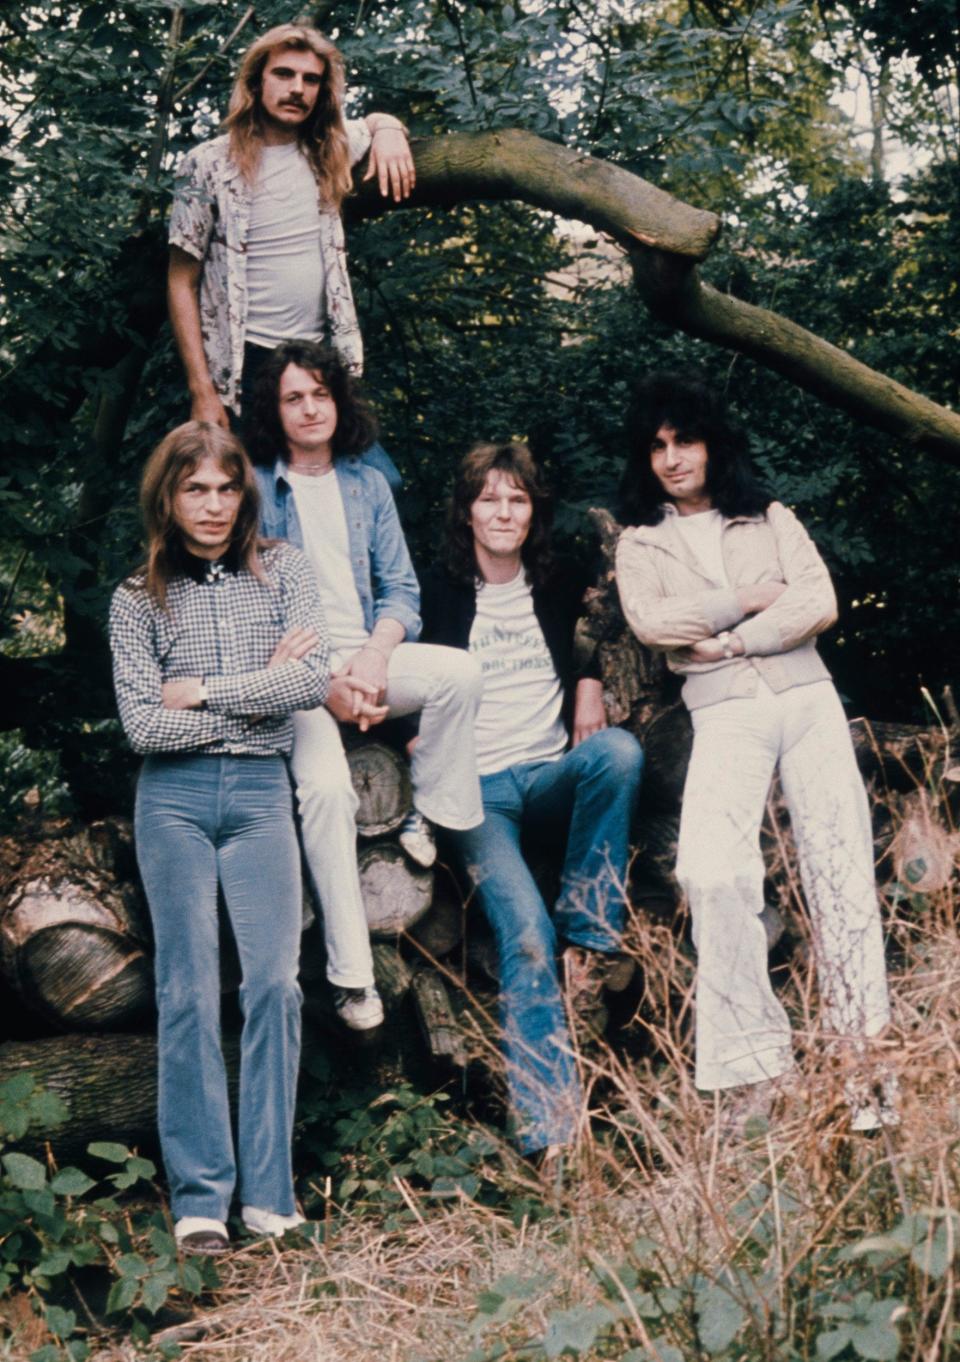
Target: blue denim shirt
[{"x": 382, "y": 571}]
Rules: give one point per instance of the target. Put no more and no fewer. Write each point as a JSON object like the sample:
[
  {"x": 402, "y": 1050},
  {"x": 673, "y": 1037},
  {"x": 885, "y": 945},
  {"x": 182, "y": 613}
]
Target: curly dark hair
[
  {"x": 356, "y": 424},
  {"x": 516, "y": 461},
  {"x": 687, "y": 404}
]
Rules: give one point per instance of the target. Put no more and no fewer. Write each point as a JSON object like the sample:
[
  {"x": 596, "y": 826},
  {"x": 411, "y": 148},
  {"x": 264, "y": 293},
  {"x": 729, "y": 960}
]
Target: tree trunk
[{"x": 108, "y": 1083}]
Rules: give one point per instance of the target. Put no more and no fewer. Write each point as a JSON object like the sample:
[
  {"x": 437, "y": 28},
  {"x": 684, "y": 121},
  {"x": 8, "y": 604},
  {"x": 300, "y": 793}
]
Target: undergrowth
[{"x": 677, "y": 1229}]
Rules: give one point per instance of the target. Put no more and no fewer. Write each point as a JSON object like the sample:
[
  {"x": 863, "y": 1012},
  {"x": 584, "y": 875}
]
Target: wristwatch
[
  {"x": 725, "y": 639},
  {"x": 203, "y": 693}
]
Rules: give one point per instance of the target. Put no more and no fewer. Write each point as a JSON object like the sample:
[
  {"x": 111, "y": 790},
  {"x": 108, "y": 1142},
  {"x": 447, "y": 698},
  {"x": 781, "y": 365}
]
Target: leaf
[
  {"x": 132, "y": 1265},
  {"x": 467, "y": 1186},
  {"x": 60, "y": 1322},
  {"x": 109, "y": 1151},
  {"x": 41, "y": 1202},
  {"x": 122, "y": 1295},
  {"x": 643, "y": 1247},
  {"x": 934, "y": 1255},
  {"x": 669, "y": 1352},
  {"x": 876, "y": 1341},
  {"x": 52, "y": 1264},
  {"x": 872, "y": 1331},
  {"x": 155, "y": 1291},
  {"x": 71, "y": 1182},
  {"x": 574, "y": 1331},
  {"x": 141, "y": 1168},
  {"x": 832, "y": 1342},
  {"x": 24, "y": 1172},
  {"x": 719, "y": 1317},
  {"x": 191, "y": 1279},
  {"x": 49, "y": 1110}
]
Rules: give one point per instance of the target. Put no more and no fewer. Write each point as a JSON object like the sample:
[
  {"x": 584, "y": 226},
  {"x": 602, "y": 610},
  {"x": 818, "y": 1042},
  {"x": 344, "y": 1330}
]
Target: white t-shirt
[
  {"x": 284, "y": 267},
  {"x": 327, "y": 545},
  {"x": 519, "y": 719},
  {"x": 703, "y": 534}
]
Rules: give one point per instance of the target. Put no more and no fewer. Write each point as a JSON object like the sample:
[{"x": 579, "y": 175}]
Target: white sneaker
[
  {"x": 359, "y": 1008},
  {"x": 269, "y": 1222},
  {"x": 417, "y": 839}
]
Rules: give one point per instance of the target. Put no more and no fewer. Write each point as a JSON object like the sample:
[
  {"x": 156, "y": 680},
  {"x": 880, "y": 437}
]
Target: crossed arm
[{"x": 760, "y": 619}]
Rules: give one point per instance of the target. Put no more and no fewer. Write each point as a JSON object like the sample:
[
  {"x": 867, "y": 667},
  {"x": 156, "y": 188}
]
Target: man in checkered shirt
[{"x": 215, "y": 641}]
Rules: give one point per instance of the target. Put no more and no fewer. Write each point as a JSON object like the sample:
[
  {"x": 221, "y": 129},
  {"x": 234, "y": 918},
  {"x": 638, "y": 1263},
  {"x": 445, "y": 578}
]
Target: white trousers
[
  {"x": 742, "y": 1031},
  {"x": 444, "y": 685}
]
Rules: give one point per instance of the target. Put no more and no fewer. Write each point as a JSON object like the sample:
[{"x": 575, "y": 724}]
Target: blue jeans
[
  {"x": 201, "y": 820},
  {"x": 592, "y": 789}
]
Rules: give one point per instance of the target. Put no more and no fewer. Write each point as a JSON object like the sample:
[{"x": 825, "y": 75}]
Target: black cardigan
[{"x": 448, "y": 609}]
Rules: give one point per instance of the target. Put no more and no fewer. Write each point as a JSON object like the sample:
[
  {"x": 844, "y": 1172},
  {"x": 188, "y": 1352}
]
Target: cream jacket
[{"x": 670, "y": 602}]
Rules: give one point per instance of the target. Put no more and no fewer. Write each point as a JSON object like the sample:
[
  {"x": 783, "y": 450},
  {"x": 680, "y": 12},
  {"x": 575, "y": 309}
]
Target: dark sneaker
[{"x": 203, "y": 1237}]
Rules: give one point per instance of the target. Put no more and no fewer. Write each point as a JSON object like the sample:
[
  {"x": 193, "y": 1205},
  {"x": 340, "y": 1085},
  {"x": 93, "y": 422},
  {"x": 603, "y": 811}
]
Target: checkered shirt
[{"x": 223, "y": 629}]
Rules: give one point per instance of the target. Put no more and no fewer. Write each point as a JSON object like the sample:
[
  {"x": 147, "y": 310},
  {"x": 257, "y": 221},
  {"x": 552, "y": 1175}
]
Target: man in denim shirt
[{"x": 308, "y": 426}]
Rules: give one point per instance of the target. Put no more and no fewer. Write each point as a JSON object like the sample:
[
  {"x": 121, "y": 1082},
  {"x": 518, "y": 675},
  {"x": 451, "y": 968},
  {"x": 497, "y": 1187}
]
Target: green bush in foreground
[{"x": 61, "y": 1229}]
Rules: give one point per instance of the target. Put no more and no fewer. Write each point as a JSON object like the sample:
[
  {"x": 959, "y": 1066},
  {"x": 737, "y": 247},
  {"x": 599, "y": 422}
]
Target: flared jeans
[
  {"x": 228, "y": 820},
  {"x": 742, "y": 1030}
]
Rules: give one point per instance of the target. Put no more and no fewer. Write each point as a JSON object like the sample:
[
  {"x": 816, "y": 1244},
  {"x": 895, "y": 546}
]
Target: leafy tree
[{"x": 481, "y": 319}]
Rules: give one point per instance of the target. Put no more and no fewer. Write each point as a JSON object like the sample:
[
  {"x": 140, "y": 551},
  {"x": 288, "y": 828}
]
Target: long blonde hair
[{"x": 322, "y": 136}]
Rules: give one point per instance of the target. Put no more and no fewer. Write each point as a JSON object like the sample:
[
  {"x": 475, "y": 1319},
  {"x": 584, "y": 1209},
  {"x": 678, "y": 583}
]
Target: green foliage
[
  {"x": 379, "y": 1147},
  {"x": 484, "y": 321},
  {"x": 846, "y": 1305},
  {"x": 31, "y": 777},
  {"x": 59, "y": 1227}
]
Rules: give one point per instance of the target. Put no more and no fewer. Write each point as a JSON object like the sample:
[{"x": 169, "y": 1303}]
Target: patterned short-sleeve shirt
[{"x": 210, "y": 220}]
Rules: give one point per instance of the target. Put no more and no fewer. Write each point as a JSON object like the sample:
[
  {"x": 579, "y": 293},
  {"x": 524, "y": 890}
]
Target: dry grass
[{"x": 656, "y": 1159}]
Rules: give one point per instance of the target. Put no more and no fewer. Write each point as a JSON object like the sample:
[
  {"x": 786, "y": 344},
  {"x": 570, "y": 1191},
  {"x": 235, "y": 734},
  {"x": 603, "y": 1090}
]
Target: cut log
[
  {"x": 381, "y": 779},
  {"x": 74, "y": 934},
  {"x": 392, "y": 973},
  {"x": 108, "y": 1083},
  {"x": 440, "y": 931},
  {"x": 395, "y": 893},
  {"x": 444, "y": 1037}
]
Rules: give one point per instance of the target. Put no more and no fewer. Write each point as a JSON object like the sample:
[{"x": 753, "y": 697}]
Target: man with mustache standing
[{"x": 257, "y": 251}]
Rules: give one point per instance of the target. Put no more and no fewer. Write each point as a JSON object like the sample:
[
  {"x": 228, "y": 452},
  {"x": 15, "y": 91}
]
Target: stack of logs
[
  {"x": 75, "y": 936},
  {"x": 75, "y": 952}
]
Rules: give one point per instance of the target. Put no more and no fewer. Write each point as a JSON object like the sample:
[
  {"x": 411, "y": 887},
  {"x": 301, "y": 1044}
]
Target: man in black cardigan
[{"x": 547, "y": 760}]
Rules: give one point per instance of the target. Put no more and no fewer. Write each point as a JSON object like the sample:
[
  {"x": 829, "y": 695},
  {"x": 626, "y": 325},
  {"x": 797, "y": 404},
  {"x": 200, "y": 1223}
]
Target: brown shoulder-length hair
[
  {"x": 515, "y": 461},
  {"x": 322, "y": 136},
  {"x": 356, "y": 424},
  {"x": 175, "y": 458}
]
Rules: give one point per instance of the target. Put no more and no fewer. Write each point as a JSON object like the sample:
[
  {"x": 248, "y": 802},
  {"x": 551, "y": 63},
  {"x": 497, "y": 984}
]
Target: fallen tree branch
[{"x": 666, "y": 238}]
